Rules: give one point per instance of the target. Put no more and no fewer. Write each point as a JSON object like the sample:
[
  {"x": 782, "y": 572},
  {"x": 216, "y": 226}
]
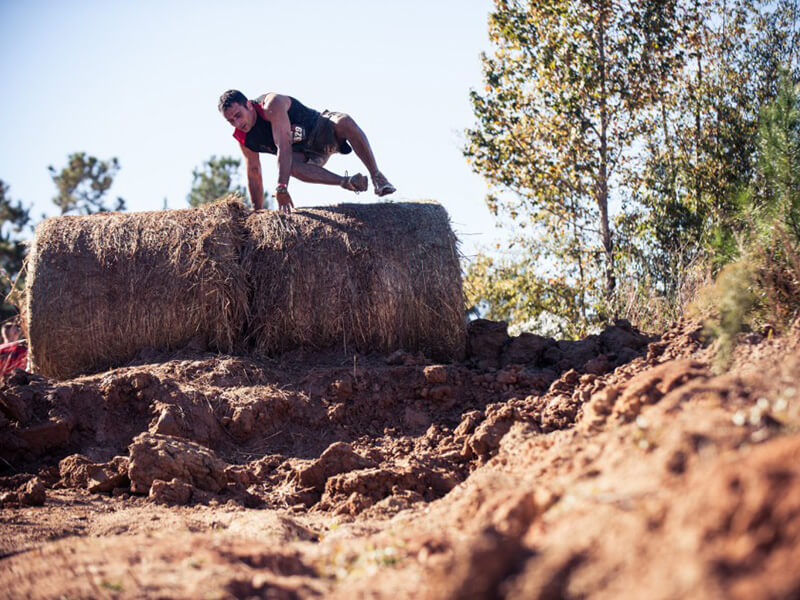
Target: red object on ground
[{"x": 13, "y": 355}]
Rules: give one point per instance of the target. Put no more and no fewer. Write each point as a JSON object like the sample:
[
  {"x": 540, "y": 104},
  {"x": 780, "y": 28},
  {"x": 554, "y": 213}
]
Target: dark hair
[{"x": 231, "y": 97}]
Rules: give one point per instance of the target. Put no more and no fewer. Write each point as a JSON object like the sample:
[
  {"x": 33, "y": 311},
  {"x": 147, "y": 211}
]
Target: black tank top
[{"x": 259, "y": 138}]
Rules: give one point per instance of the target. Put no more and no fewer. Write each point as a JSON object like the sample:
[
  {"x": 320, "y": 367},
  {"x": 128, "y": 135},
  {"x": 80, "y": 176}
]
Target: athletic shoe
[
  {"x": 355, "y": 183},
  {"x": 382, "y": 185}
]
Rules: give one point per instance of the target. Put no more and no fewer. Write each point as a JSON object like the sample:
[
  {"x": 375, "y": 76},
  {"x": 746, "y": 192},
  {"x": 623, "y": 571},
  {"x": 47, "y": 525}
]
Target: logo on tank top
[{"x": 298, "y": 133}]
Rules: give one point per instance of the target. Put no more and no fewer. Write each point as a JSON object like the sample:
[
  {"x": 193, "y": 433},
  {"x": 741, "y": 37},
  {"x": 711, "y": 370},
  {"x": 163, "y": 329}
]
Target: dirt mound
[{"x": 534, "y": 469}]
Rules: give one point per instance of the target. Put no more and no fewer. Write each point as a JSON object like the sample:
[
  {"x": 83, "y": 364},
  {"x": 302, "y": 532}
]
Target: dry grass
[
  {"x": 102, "y": 287},
  {"x": 654, "y": 312},
  {"x": 358, "y": 277},
  {"x": 375, "y": 277}
]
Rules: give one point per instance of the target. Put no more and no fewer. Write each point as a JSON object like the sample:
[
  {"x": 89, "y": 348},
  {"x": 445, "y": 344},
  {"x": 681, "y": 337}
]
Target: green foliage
[
  {"x": 779, "y": 160},
  {"x": 13, "y": 219},
  {"x": 215, "y": 179},
  {"x": 701, "y": 135},
  {"x": 566, "y": 88},
  {"x": 83, "y": 184},
  {"x": 622, "y": 139},
  {"x": 512, "y": 291},
  {"x": 762, "y": 286},
  {"x": 731, "y": 300}
]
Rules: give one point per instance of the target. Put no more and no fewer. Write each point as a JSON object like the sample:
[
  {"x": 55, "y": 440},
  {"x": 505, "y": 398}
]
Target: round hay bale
[
  {"x": 365, "y": 277},
  {"x": 100, "y": 288}
]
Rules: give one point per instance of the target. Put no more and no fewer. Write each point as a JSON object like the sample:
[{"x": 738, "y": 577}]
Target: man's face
[{"x": 241, "y": 116}]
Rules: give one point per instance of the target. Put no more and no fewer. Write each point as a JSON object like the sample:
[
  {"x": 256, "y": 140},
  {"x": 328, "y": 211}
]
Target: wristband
[{"x": 281, "y": 187}]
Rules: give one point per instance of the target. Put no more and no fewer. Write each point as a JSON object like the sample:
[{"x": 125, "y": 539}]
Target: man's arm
[
  {"x": 254, "y": 181},
  {"x": 276, "y": 111}
]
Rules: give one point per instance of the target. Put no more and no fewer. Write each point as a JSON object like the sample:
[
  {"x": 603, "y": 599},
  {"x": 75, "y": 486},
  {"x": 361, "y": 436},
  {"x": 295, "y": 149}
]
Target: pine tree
[
  {"x": 83, "y": 184},
  {"x": 215, "y": 179},
  {"x": 779, "y": 158}
]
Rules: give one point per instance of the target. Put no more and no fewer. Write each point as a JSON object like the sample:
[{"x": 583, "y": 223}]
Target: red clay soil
[{"x": 619, "y": 466}]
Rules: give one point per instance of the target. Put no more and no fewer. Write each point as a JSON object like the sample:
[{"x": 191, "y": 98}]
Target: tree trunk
[
  {"x": 697, "y": 117},
  {"x": 602, "y": 177},
  {"x": 579, "y": 257}
]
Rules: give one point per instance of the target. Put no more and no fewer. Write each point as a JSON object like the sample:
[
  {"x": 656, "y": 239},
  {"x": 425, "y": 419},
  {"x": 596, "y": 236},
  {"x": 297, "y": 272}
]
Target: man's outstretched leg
[
  {"x": 346, "y": 128},
  {"x": 311, "y": 173}
]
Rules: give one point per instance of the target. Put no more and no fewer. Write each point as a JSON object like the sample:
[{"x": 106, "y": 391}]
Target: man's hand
[{"x": 285, "y": 203}]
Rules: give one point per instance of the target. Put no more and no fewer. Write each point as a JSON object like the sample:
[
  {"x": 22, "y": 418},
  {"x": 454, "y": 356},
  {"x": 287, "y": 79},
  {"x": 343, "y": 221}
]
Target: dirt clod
[
  {"x": 156, "y": 456},
  {"x": 618, "y": 466}
]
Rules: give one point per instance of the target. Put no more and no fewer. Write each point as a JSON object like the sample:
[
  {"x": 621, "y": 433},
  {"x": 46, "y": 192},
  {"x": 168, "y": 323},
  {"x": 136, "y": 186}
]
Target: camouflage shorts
[{"x": 322, "y": 142}]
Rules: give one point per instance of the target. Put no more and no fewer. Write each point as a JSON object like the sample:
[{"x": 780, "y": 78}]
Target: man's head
[
  {"x": 10, "y": 332},
  {"x": 237, "y": 110}
]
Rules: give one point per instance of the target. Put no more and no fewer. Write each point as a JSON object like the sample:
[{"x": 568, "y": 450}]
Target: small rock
[
  {"x": 468, "y": 423},
  {"x": 622, "y": 335},
  {"x": 141, "y": 380},
  {"x": 485, "y": 341},
  {"x": 105, "y": 477},
  {"x": 79, "y": 472},
  {"x": 174, "y": 492},
  {"x": 339, "y": 457},
  {"x": 239, "y": 475},
  {"x": 551, "y": 356},
  {"x": 435, "y": 374},
  {"x": 155, "y": 456},
  {"x": 656, "y": 349},
  {"x": 73, "y": 470},
  {"x": 603, "y": 400},
  {"x": 167, "y": 423},
  {"x": 33, "y": 494},
  {"x": 15, "y": 405},
  {"x": 488, "y": 435}
]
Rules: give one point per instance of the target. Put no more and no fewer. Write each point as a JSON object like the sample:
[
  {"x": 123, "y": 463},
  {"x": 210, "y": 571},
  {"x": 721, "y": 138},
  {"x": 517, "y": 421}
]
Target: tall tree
[
  {"x": 700, "y": 143},
  {"x": 777, "y": 189},
  {"x": 83, "y": 184},
  {"x": 566, "y": 86},
  {"x": 217, "y": 178},
  {"x": 13, "y": 219}
]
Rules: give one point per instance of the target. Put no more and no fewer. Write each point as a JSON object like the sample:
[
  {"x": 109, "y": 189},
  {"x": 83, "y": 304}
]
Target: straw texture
[
  {"x": 367, "y": 277},
  {"x": 100, "y": 288},
  {"x": 374, "y": 277}
]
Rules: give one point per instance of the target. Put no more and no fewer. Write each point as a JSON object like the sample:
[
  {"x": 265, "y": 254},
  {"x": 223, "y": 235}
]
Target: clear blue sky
[{"x": 140, "y": 81}]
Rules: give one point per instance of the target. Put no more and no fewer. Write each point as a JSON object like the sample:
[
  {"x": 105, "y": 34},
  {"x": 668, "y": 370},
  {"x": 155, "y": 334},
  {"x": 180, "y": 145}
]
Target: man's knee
[
  {"x": 344, "y": 125},
  {"x": 298, "y": 162}
]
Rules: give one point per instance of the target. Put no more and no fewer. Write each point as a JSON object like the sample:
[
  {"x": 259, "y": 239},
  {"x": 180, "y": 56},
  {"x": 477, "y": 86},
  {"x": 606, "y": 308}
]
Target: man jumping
[{"x": 303, "y": 140}]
